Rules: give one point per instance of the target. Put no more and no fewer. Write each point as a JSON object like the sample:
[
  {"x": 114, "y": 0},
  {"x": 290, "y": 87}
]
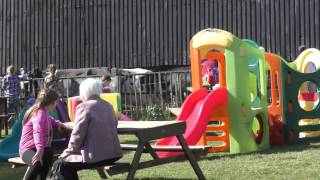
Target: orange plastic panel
[{"x": 275, "y": 109}]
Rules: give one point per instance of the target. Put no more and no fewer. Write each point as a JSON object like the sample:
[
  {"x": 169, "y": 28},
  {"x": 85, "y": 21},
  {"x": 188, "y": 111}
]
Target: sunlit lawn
[{"x": 281, "y": 162}]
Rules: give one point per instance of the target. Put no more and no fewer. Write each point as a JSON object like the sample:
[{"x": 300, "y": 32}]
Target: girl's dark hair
[
  {"x": 106, "y": 77},
  {"x": 45, "y": 98},
  {"x": 301, "y": 48}
]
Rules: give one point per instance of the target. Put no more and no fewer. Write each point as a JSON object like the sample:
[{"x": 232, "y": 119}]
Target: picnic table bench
[
  {"x": 147, "y": 131},
  {"x": 194, "y": 149},
  {"x": 18, "y": 162}
]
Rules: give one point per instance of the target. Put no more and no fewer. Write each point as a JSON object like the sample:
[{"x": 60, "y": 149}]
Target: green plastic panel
[
  {"x": 244, "y": 59},
  {"x": 290, "y": 96}
]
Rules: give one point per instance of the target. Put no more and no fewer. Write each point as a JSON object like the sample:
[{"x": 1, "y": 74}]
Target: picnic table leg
[
  {"x": 190, "y": 157},
  {"x": 135, "y": 162},
  {"x": 101, "y": 173},
  {"x": 151, "y": 151}
]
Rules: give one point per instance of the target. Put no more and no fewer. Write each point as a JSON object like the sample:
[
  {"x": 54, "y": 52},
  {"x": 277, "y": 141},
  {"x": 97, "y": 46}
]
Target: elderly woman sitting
[{"x": 94, "y": 140}]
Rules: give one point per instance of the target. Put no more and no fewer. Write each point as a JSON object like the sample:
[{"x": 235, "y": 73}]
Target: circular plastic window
[
  {"x": 257, "y": 129},
  {"x": 310, "y": 68},
  {"x": 308, "y": 96}
]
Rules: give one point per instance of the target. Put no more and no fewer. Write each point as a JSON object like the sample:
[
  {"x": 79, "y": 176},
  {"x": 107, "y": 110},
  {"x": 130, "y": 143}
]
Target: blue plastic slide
[{"x": 9, "y": 147}]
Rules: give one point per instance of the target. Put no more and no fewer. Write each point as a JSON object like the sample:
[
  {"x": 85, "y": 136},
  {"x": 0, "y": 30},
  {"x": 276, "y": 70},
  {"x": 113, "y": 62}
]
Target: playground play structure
[
  {"x": 236, "y": 114},
  {"x": 241, "y": 66}
]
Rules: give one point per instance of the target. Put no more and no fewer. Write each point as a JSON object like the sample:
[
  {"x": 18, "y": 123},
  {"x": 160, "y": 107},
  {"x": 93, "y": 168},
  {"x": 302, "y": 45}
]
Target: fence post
[
  {"x": 135, "y": 93},
  {"x": 67, "y": 89},
  {"x": 160, "y": 89}
]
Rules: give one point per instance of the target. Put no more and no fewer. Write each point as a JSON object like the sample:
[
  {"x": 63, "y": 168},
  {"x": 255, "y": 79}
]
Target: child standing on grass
[
  {"x": 35, "y": 144},
  {"x": 12, "y": 89}
]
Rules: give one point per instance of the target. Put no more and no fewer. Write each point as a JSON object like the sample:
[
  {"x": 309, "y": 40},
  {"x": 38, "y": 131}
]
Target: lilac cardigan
[
  {"x": 94, "y": 136},
  {"x": 35, "y": 133}
]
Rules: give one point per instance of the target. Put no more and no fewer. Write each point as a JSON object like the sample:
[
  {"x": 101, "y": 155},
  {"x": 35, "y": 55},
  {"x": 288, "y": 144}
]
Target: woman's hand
[
  {"x": 63, "y": 155},
  {"x": 64, "y": 128},
  {"x": 37, "y": 157}
]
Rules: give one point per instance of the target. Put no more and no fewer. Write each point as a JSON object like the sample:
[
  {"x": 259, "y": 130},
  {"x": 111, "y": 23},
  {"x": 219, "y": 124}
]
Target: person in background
[
  {"x": 301, "y": 48},
  {"x": 94, "y": 139},
  {"x": 51, "y": 81},
  {"x": 34, "y": 87},
  {"x": 11, "y": 87},
  {"x": 23, "y": 76},
  {"x": 37, "y": 132},
  {"x": 106, "y": 80}
]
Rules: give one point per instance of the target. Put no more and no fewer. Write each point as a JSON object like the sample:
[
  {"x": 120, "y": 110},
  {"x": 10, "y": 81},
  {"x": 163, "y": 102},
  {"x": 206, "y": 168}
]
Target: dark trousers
[
  {"x": 69, "y": 169},
  {"x": 37, "y": 171}
]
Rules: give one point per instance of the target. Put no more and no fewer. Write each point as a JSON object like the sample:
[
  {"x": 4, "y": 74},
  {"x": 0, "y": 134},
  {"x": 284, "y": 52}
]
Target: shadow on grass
[
  {"x": 290, "y": 148},
  {"x": 273, "y": 150},
  {"x": 129, "y": 142},
  {"x": 158, "y": 178}
]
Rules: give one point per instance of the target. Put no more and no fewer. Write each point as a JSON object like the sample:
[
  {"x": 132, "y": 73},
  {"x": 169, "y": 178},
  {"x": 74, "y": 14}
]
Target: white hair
[{"x": 90, "y": 87}]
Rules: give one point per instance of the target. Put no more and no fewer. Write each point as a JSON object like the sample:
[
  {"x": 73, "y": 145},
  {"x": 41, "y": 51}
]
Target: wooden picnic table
[{"x": 147, "y": 131}]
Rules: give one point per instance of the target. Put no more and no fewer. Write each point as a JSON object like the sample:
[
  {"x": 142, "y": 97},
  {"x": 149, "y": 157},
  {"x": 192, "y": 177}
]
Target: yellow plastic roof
[{"x": 208, "y": 39}]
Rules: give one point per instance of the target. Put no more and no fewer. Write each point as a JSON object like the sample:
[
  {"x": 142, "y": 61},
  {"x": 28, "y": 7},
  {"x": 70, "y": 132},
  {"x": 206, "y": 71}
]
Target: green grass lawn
[{"x": 281, "y": 162}]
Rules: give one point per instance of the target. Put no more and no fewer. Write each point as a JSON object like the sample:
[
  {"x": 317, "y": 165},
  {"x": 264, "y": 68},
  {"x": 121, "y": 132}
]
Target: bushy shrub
[{"x": 152, "y": 113}]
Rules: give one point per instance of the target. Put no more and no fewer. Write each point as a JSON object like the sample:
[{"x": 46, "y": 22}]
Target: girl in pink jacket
[{"x": 35, "y": 144}]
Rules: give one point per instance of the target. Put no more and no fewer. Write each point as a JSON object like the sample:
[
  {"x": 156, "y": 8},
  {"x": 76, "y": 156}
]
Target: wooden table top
[
  {"x": 138, "y": 124},
  {"x": 144, "y": 124},
  {"x": 149, "y": 129}
]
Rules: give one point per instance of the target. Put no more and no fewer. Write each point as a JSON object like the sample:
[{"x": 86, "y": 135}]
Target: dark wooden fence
[{"x": 144, "y": 33}]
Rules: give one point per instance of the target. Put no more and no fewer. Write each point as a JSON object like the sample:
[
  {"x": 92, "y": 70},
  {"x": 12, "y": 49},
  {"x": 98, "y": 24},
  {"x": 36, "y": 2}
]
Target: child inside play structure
[{"x": 210, "y": 74}]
